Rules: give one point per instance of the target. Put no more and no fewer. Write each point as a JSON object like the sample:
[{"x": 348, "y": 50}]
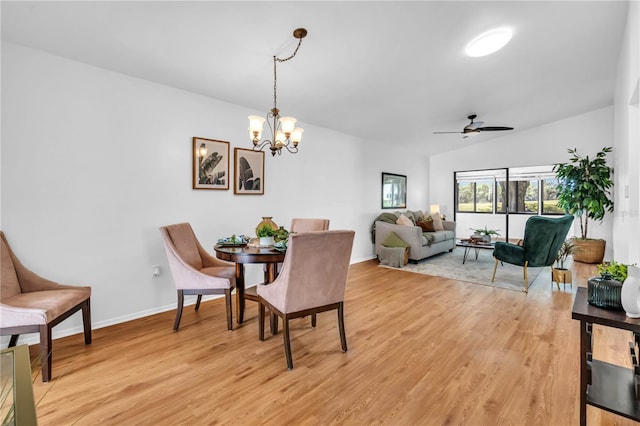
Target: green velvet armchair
[{"x": 543, "y": 237}]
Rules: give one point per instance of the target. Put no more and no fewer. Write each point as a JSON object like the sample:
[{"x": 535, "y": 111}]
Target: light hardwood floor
[{"x": 422, "y": 351}]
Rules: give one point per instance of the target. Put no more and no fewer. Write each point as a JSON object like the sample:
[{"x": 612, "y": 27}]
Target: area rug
[{"x": 449, "y": 265}]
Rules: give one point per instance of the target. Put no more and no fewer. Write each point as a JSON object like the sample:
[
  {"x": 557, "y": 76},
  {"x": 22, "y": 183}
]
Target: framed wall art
[
  {"x": 394, "y": 191},
  {"x": 210, "y": 164},
  {"x": 249, "y": 172}
]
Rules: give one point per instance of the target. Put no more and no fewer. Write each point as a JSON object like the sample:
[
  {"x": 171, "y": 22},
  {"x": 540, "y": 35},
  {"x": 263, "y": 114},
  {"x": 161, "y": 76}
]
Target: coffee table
[{"x": 477, "y": 246}]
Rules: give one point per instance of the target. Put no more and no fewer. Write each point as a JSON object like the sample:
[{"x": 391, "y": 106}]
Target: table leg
[
  {"x": 584, "y": 347},
  {"x": 464, "y": 257},
  {"x": 240, "y": 292}
]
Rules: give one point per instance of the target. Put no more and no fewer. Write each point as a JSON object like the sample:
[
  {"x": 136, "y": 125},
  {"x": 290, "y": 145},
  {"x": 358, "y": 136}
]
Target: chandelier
[{"x": 282, "y": 130}]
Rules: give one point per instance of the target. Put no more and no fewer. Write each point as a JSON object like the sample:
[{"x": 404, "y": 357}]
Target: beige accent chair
[
  {"x": 196, "y": 272},
  {"x": 313, "y": 280},
  {"x": 32, "y": 304}
]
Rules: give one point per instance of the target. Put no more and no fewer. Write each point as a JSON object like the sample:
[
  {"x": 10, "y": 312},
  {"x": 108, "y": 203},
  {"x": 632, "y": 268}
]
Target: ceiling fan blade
[{"x": 493, "y": 128}]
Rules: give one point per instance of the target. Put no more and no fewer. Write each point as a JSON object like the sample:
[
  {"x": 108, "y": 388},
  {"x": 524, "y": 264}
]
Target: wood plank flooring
[{"x": 422, "y": 351}]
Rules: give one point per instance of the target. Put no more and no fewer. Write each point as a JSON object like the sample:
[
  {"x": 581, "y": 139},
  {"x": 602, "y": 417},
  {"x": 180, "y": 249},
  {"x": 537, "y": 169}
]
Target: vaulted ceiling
[{"x": 387, "y": 71}]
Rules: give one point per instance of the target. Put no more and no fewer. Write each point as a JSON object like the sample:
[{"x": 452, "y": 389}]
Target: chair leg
[
  {"x": 526, "y": 281},
  {"x": 494, "y": 271},
  {"x": 273, "y": 321},
  {"x": 313, "y": 320},
  {"x": 260, "y": 321},
  {"x": 343, "y": 336},
  {"x": 176, "y": 324},
  {"x": 229, "y": 308},
  {"x": 287, "y": 342},
  {"x": 45, "y": 352},
  {"x": 198, "y": 302},
  {"x": 86, "y": 320},
  {"x": 14, "y": 340}
]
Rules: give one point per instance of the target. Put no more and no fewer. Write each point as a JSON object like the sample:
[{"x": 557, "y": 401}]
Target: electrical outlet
[{"x": 156, "y": 271}]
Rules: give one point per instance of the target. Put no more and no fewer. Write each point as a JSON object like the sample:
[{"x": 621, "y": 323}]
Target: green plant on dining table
[{"x": 265, "y": 231}]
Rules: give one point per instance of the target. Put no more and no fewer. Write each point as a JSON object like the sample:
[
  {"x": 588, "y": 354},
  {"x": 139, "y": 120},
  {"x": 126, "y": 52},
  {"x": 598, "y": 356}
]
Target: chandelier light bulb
[
  {"x": 287, "y": 124},
  {"x": 296, "y": 135}
]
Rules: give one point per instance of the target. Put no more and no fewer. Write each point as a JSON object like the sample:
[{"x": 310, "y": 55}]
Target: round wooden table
[{"x": 246, "y": 254}]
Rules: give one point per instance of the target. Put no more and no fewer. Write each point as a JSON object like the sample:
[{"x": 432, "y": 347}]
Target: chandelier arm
[
  {"x": 261, "y": 146},
  {"x": 293, "y": 151}
]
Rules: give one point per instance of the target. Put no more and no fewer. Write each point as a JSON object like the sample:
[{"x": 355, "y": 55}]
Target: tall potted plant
[{"x": 584, "y": 190}]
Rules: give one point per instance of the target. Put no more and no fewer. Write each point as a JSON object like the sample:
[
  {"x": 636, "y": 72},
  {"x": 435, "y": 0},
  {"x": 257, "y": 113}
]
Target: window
[
  {"x": 475, "y": 197},
  {"x": 532, "y": 190},
  {"x": 523, "y": 195},
  {"x": 474, "y": 192},
  {"x": 550, "y": 196}
]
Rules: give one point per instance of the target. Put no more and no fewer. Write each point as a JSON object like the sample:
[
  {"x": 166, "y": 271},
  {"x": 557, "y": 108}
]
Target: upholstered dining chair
[
  {"x": 313, "y": 280},
  {"x": 543, "y": 237},
  {"x": 308, "y": 225},
  {"x": 194, "y": 271},
  {"x": 32, "y": 304}
]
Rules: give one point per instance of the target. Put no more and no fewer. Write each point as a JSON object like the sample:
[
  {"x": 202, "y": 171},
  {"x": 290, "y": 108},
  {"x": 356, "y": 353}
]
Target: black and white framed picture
[
  {"x": 249, "y": 172},
  {"x": 394, "y": 191},
  {"x": 210, "y": 164}
]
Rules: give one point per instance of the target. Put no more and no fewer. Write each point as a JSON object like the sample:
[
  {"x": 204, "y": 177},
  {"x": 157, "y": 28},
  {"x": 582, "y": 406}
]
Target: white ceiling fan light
[{"x": 489, "y": 42}]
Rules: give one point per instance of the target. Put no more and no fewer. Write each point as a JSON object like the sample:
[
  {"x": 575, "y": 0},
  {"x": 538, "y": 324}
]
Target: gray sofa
[{"x": 422, "y": 244}]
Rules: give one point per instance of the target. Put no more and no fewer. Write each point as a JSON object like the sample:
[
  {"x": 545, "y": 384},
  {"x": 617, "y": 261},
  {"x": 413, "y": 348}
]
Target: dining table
[{"x": 242, "y": 254}]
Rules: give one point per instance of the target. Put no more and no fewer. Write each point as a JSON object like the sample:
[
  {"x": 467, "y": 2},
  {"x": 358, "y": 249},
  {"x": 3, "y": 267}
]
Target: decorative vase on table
[
  {"x": 604, "y": 292},
  {"x": 631, "y": 292},
  {"x": 267, "y": 220}
]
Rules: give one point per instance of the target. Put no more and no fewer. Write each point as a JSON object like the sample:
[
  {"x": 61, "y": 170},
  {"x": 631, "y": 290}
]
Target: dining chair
[
  {"x": 32, "y": 304},
  {"x": 194, "y": 271},
  {"x": 313, "y": 280},
  {"x": 308, "y": 225},
  {"x": 543, "y": 237}
]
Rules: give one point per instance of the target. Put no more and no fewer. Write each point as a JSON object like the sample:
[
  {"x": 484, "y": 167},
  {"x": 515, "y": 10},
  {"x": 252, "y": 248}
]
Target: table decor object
[
  {"x": 604, "y": 292},
  {"x": 266, "y": 233},
  {"x": 234, "y": 241},
  {"x": 630, "y": 293}
]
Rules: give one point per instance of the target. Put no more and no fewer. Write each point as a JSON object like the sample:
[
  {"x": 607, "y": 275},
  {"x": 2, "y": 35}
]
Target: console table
[{"x": 603, "y": 385}]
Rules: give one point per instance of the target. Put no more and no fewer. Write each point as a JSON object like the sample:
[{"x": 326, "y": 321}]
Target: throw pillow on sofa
[
  {"x": 437, "y": 223},
  {"x": 393, "y": 240},
  {"x": 426, "y": 223},
  {"x": 403, "y": 220}
]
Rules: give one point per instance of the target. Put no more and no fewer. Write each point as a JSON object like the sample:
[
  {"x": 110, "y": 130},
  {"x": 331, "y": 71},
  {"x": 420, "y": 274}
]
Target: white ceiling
[{"x": 383, "y": 70}]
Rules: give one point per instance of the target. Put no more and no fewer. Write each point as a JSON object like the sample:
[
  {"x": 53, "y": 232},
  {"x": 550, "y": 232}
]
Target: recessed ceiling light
[{"x": 489, "y": 42}]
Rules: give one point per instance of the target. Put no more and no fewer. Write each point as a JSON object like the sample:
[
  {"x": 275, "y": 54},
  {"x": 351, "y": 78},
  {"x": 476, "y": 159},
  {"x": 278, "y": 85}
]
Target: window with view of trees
[
  {"x": 523, "y": 196},
  {"x": 475, "y": 196},
  {"x": 532, "y": 190}
]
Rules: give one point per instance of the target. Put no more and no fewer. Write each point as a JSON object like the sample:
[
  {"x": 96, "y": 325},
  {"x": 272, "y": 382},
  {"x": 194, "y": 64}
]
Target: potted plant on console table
[{"x": 584, "y": 190}]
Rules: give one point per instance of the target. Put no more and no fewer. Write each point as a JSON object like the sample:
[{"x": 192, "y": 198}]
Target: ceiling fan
[{"x": 476, "y": 127}]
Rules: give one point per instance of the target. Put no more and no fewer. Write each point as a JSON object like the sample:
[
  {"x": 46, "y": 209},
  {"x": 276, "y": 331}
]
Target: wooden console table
[{"x": 603, "y": 385}]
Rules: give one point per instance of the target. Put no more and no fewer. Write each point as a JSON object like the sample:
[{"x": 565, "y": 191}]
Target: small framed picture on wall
[
  {"x": 249, "y": 172},
  {"x": 210, "y": 164}
]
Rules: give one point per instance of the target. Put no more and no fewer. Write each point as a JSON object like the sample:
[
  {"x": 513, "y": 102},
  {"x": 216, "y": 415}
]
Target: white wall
[
  {"x": 93, "y": 162},
  {"x": 627, "y": 147},
  {"x": 543, "y": 145}
]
